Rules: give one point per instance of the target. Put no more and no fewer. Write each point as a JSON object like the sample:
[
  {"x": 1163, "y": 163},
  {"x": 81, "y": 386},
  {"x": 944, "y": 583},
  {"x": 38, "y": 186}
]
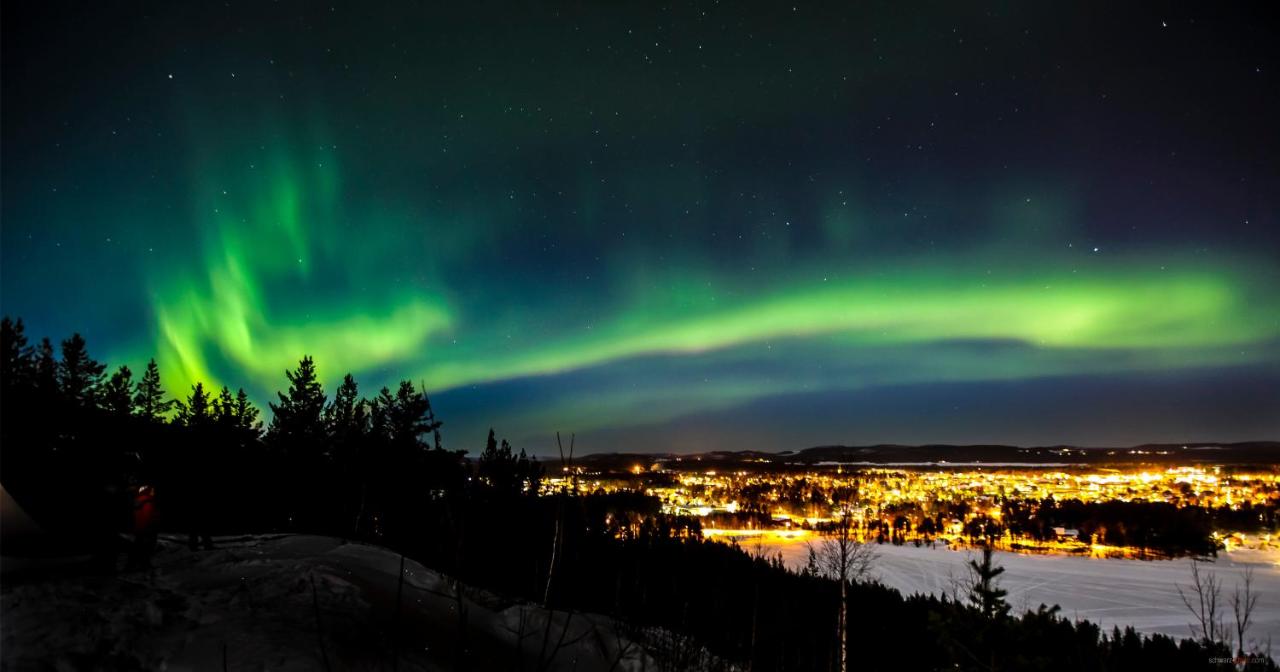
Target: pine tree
[
  {"x": 79, "y": 376},
  {"x": 46, "y": 371},
  {"x": 297, "y": 421},
  {"x": 17, "y": 375},
  {"x": 433, "y": 425},
  {"x": 246, "y": 414},
  {"x": 149, "y": 399},
  {"x": 16, "y": 364},
  {"x": 405, "y": 416},
  {"x": 811, "y": 564},
  {"x": 197, "y": 411},
  {"x": 494, "y": 459},
  {"x": 983, "y": 591},
  {"x": 410, "y": 420},
  {"x": 344, "y": 415},
  {"x": 497, "y": 465},
  {"x": 490, "y": 448},
  {"x": 380, "y": 409},
  {"x": 528, "y": 474},
  {"x": 224, "y": 409},
  {"x": 116, "y": 393}
]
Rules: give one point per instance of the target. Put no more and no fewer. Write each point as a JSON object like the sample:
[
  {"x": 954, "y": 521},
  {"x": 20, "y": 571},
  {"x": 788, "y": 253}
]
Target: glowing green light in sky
[
  {"x": 282, "y": 277},
  {"x": 554, "y": 223}
]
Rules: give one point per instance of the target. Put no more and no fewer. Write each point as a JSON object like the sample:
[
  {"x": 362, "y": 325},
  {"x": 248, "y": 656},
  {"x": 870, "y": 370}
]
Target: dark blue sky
[{"x": 667, "y": 227}]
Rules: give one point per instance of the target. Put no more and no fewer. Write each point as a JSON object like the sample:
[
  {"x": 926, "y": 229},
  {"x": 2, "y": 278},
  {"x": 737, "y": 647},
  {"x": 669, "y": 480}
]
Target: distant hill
[
  {"x": 1251, "y": 452},
  {"x": 1254, "y": 451}
]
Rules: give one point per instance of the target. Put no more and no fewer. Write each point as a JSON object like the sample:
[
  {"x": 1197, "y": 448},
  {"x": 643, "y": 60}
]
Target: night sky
[{"x": 667, "y": 227}]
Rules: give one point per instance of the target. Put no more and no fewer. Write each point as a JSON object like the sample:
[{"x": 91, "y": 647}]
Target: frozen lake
[{"x": 1141, "y": 593}]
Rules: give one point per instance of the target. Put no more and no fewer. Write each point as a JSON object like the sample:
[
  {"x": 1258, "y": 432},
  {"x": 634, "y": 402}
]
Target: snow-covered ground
[
  {"x": 284, "y": 603},
  {"x": 1141, "y": 593},
  {"x": 250, "y": 603}
]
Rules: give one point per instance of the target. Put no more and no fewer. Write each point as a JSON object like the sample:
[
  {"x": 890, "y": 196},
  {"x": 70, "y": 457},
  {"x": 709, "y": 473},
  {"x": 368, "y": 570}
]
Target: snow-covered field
[
  {"x": 285, "y": 603},
  {"x": 1141, "y": 593}
]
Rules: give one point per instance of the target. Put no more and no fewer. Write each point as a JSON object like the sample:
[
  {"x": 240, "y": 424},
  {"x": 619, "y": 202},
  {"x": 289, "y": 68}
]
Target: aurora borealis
[{"x": 667, "y": 228}]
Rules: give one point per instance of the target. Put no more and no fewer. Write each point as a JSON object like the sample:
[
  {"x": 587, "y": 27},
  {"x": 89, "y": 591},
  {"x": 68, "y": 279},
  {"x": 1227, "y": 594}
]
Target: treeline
[
  {"x": 1156, "y": 526},
  {"x": 79, "y": 441},
  {"x": 1248, "y": 517}
]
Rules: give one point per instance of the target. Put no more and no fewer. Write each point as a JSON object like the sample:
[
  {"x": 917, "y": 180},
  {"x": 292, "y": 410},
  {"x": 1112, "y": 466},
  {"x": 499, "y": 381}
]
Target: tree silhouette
[
  {"x": 347, "y": 422},
  {"x": 346, "y": 417},
  {"x": 197, "y": 411},
  {"x": 984, "y": 593},
  {"x": 844, "y": 558},
  {"x": 117, "y": 393},
  {"x": 16, "y": 366},
  {"x": 224, "y": 409},
  {"x": 528, "y": 474},
  {"x": 297, "y": 432},
  {"x": 149, "y": 398},
  {"x": 433, "y": 425},
  {"x": 17, "y": 375},
  {"x": 79, "y": 376},
  {"x": 234, "y": 413},
  {"x": 406, "y": 416},
  {"x": 499, "y": 467},
  {"x": 811, "y": 563},
  {"x": 296, "y": 422},
  {"x": 246, "y": 414},
  {"x": 46, "y": 366},
  {"x": 196, "y": 469},
  {"x": 490, "y": 453}
]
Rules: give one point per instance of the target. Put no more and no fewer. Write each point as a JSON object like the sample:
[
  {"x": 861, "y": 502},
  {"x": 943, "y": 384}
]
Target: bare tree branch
[
  {"x": 1203, "y": 599},
  {"x": 844, "y": 558},
  {"x": 1243, "y": 602}
]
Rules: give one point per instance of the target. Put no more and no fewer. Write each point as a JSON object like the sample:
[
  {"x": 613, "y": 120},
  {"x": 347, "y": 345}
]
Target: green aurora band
[
  {"x": 664, "y": 227},
  {"x": 279, "y": 232}
]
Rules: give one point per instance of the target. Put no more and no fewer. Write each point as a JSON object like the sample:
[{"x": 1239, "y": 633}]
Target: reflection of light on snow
[{"x": 767, "y": 536}]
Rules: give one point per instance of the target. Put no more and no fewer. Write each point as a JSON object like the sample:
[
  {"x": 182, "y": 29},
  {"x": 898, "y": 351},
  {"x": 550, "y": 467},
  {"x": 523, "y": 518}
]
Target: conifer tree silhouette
[
  {"x": 117, "y": 393},
  {"x": 148, "y": 399},
  {"x": 296, "y": 422},
  {"x": 79, "y": 376}
]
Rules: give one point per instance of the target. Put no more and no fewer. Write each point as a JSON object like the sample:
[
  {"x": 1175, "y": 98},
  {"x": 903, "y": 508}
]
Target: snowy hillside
[{"x": 289, "y": 603}]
